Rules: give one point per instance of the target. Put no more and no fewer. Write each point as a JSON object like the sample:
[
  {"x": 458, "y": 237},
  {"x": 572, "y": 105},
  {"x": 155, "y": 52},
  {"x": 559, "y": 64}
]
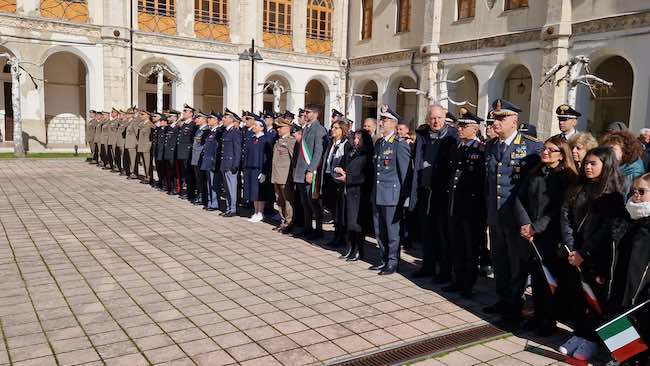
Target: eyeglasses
[
  {"x": 551, "y": 150},
  {"x": 336, "y": 127},
  {"x": 640, "y": 191}
]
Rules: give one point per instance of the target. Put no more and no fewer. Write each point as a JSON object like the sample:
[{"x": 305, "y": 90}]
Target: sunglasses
[
  {"x": 551, "y": 150},
  {"x": 640, "y": 191}
]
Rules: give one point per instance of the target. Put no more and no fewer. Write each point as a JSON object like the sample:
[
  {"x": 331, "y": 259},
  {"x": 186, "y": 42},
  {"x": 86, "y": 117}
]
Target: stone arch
[
  {"x": 615, "y": 103},
  {"x": 286, "y": 99},
  {"x": 466, "y": 90},
  {"x": 65, "y": 98},
  {"x": 405, "y": 104},
  {"x": 512, "y": 80},
  {"x": 209, "y": 85},
  {"x": 368, "y": 107},
  {"x": 146, "y": 87},
  {"x": 317, "y": 92}
]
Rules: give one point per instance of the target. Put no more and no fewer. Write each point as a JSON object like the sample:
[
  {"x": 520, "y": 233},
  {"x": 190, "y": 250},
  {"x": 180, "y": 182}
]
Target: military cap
[
  {"x": 336, "y": 114},
  {"x": 92, "y": 111},
  {"x": 162, "y": 117},
  {"x": 450, "y": 118},
  {"x": 252, "y": 115},
  {"x": 346, "y": 120},
  {"x": 177, "y": 113},
  {"x": 564, "y": 111},
  {"x": 216, "y": 115},
  {"x": 186, "y": 106},
  {"x": 300, "y": 112},
  {"x": 200, "y": 114},
  {"x": 115, "y": 110},
  {"x": 386, "y": 112},
  {"x": 287, "y": 115},
  {"x": 616, "y": 126},
  {"x": 267, "y": 114},
  {"x": 295, "y": 128},
  {"x": 232, "y": 114},
  {"x": 282, "y": 122},
  {"x": 502, "y": 107},
  {"x": 528, "y": 129},
  {"x": 466, "y": 117}
]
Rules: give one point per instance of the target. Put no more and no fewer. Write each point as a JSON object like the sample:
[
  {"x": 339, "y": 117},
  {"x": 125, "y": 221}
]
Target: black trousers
[
  {"x": 201, "y": 183},
  {"x": 172, "y": 176},
  {"x": 102, "y": 154},
  {"x": 433, "y": 235},
  {"x": 118, "y": 158},
  {"x": 109, "y": 155},
  {"x": 543, "y": 299},
  {"x": 464, "y": 233},
  {"x": 312, "y": 208},
  {"x": 161, "y": 172},
  {"x": 96, "y": 153},
  {"x": 191, "y": 185},
  {"x": 126, "y": 162}
]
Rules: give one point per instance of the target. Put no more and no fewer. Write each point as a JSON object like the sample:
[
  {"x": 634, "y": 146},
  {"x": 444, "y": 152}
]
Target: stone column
[
  {"x": 28, "y": 7},
  {"x": 185, "y": 18},
  {"x": 339, "y": 29},
  {"x": 299, "y": 26},
  {"x": 555, "y": 35}
]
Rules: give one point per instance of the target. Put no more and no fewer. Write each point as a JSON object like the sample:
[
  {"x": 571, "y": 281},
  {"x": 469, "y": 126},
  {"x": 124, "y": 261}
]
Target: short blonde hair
[{"x": 584, "y": 139}]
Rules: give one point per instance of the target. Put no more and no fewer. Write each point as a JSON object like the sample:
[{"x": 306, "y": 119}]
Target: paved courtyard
[{"x": 99, "y": 270}]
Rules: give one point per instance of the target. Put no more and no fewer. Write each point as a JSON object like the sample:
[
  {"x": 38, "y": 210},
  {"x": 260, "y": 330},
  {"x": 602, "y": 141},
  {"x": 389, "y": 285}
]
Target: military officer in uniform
[
  {"x": 99, "y": 154},
  {"x": 171, "y": 142},
  {"x": 90, "y": 137},
  {"x": 200, "y": 136},
  {"x": 269, "y": 125},
  {"x": 392, "y": 158},
  {"x": 466, "y": 203},
  {"x": 231, "y": 156},
  {"x": 131, "y": 114},
  {"x": 112, "y": 137},
  {"x": 508, "y": 157},
  {"x": 159, "y": 153},
  {"x": 281, "y": 164},
  {"x": 107, "y": 159},
  {"x": 131, "y": 144},
  {"x": 119, "y": 142},
  {"x": 145, "y": 129},
  {"x": 184, "y": 152},
  {"x": 210, "y": 172},
  {"x": 568, "y": 120}
]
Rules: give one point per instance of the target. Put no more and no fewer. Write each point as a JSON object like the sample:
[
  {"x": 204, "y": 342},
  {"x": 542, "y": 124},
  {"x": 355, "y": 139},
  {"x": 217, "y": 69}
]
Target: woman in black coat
[
  {"x": 356, "y": 172},
  {"x": 541, "y": 196},
  {"x": 333, "y": 189},
  {"x": 589, "y": 217}
]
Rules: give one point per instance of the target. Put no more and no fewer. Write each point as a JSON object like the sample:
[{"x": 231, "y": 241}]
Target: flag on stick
[
  {"x": 552, "y": 283},
  {"x": 620, "y": 336},
  {"x": 592, "y": 301}
]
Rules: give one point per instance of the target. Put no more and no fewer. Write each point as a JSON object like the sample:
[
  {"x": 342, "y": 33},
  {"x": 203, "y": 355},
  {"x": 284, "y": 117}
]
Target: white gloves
[{"x": 261, "y": 178}]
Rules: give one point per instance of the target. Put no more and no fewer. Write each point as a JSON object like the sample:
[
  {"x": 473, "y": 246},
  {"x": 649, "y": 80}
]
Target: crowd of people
[{"x": 571, "y": 213}]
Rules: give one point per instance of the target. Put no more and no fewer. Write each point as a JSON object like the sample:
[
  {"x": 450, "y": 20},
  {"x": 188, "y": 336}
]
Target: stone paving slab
[{"x": 100, "y": 270}]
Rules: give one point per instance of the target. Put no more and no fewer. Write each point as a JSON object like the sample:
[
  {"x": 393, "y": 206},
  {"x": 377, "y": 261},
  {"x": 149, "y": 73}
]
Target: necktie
[{"x": 502, "y": 150}]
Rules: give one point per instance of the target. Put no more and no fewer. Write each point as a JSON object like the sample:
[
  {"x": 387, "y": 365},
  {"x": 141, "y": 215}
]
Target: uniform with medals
[{"x": 281, "y": 169}]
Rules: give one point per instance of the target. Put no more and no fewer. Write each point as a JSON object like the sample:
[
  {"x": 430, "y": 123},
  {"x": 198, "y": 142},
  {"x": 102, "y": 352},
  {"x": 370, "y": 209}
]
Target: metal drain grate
[{"x": 426, "y": 347}]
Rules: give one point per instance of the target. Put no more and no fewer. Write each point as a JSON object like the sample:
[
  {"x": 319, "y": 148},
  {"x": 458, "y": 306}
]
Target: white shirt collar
[
  {"x": 260, "y": 134},
  {"x": 568, "y": 135},
  {"x": 510, "y": 139},
  {"x": 228, "y": 128},
  {"x": 389, "y": 136}
]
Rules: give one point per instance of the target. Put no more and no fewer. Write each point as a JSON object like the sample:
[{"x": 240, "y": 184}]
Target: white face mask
[{"x": 638, "y": 210}]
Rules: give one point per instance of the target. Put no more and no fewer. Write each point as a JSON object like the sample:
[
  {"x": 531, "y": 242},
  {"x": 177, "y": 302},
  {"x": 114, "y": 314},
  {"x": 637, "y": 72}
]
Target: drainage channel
[{"x": 426, "y": 347}]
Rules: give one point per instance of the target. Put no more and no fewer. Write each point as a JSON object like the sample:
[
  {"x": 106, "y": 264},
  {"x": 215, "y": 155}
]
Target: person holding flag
[
  {"x": 594, "y": 208},
  {"x": 541, "y": 196}
]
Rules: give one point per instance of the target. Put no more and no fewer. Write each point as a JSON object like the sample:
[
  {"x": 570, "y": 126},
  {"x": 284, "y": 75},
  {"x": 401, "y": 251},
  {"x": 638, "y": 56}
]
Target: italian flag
[
  {"x": 306, "y": 154},
  {"x": 621, "y": 338}
]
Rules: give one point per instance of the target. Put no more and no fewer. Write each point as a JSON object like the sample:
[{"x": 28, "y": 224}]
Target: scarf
[{"x": 638, "y": 210}]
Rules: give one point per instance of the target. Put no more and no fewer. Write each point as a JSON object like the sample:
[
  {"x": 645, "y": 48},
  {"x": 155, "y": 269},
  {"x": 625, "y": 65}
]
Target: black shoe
[
  {"x": 387, "y": 271},
  {"x": 421, "y": 273},
  {"x": 546, "y": 329},
  {"x": 303, "y": 233},
  {"x": 286, "y": 230},
  {"x": 334, "y": 243},
  {"x": 315, "y": 235},
  {"x": 497, "y": 308},
  {"x": 451, "y": 288},
  {"x": 211, "y": 209},
  {"x": 354, "y": 257},
  {"x": 377, "y": 267},
  {"x": 467, "y": 294},
  {"x": 229, "y": 214}
]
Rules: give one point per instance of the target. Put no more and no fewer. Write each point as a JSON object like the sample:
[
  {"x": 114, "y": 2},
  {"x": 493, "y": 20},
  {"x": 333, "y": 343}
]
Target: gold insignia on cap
[{"x": 564, "y": 107}]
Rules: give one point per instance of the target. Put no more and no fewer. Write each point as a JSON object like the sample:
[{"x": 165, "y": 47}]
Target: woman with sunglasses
[
  {"x": 541, "y": 195},
  {"x": 589, "y": 218},
  {"x": 332, "y": 189},
  {"x": 631, "y": 283}
]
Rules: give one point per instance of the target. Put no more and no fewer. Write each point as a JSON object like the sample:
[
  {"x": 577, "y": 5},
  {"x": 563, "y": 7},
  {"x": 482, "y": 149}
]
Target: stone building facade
[{"x": 352, "y": 55}]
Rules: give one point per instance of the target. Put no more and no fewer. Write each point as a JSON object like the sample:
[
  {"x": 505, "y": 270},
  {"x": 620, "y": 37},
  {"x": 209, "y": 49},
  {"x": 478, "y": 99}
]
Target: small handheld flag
[
  {"x": 620, "y": 336},
  {"x": 588, "y": 292},
  {"x": 552, "y": 283}
]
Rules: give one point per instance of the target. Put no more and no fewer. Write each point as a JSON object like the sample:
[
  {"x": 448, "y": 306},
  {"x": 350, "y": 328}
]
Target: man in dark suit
[
  {"x": 200, "y": 135},
  {"x": 231, "y": 153},
  {"x": 305, "y": 172},
  {"x": 428, "y": 194},
  {"x": 171, "y": 141},
  {"x": 159, "y": 154},
  {"x": 466, "y": 203},
  {"x": 184, "y": 153},
  {"x": 210, "y": 163},
  {"x": 392, "y": 158},
  {"x": 508, "y": 159}
]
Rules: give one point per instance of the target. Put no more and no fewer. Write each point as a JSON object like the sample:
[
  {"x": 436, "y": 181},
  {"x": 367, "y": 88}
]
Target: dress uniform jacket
[
  {"x": 465, "y": 187},
  {"x": 231, "y": 157},
  {"x": 246, "y": 136},
  {"x": 211, "y": 148},
  {"x": 97, "y": 137},
  {"x": 505, "y": 171},
  {"x": 105, "y": 132},
  {"x": 145, "y": 137},
  {"x": 392, "y": 158},
  {"x": 171, "y": 141},
  {"x": 112, "y": 132},
  {"x": 159, "y": 150},
  {"x": 131, "y": 140},
  {"x": 200, "y": 136},
  {"x": 90, "y": 131},
  {"x": 258, "y": 161},
  {"x": 185, "y": 140},
  {"x": 282, "y": 160},
  {"x": 121, "y": 134}
]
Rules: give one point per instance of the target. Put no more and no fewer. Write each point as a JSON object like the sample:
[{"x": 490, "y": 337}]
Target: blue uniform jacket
[
  {"x": 211, "y": 149},
  {"x": 258, "y": 153},
  {"x": 505, "y": 175},
  {"x": 392, "y": 158},
  {"x": 231, "y": 149}
]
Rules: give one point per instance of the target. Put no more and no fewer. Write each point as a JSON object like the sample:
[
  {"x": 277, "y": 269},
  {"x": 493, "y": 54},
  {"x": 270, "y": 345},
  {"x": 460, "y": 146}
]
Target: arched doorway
[
  {"x": 6, "y": 107},
  {"x": 65, "y": 99},
  {"x": 368, "y": 101},
  {"x": 316, "y": 94},
  {"x": 406, "y": 103},
  {"x": 517, "y": 89},
  {"x": 209, "y": 91},
  {"x": 147, "y": 88},
  {"x": 612, "y": 104},
  {"x": 466, "y": 90},
  {"x": 283, "y": 90}
]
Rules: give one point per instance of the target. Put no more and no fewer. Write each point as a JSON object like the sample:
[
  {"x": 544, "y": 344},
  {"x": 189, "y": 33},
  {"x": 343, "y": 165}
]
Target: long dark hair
[
  {"x": 610, "y": 180},
  {"x": 366, "y": 147},
  {"x": 567, "y": 164}
]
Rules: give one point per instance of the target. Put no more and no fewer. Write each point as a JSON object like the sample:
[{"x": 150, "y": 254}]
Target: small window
[
  {"x": 157, "y": 7},
  {"x": 211, "y": 11},
  {"x": 516, "y": 4},
  {"x": 319, "y": 19},
  {"x": 403, "y": 15},
  {"x": 277, "y": 16},
  {"x": 366, "y": 19},
  {"x": 466, "y": 9}
]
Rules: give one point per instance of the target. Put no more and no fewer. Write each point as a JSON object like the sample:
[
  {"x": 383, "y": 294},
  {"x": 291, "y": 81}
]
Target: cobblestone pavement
[{"x": 99, "y": 270}]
